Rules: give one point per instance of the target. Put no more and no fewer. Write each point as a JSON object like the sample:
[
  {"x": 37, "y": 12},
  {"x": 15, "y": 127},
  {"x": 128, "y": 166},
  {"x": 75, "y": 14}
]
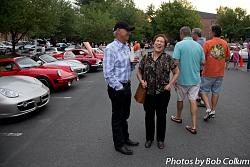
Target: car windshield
[
  {"x": 26, "y": 63},
  {"x": 97, "y": 50},
  {"x": 69, "y": 55},
  {"x": 47, "y": 58}
]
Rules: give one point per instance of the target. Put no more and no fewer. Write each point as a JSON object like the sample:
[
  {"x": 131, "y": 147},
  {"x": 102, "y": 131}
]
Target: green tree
[
  {"x": 85, "y": 2},
  {"x": 125, "y": 10},
  {"x": 151, "y": 30},
  {"x": 97, "y": 19},
  {"x": 21, "y": 17},
  {"x": 95, "y": 24},
  {"x": 171, "y": 16},
  {"x": 67, "y": 27},
  {"x": 233, "y": 21}
]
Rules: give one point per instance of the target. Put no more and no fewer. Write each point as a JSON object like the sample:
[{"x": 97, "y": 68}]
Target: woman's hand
[
  {"x": 168, "y": 87},
  {"x": 144, "y": 84}
]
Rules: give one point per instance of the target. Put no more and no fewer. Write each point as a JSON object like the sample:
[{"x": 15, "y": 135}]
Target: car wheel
[
  {"x": 88, "y": 66},
  {"x": 45, "y": 81}
]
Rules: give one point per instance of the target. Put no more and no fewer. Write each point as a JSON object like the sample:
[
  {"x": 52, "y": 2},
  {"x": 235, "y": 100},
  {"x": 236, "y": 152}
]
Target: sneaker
[
  {"x": 206, "y": 117},
  {"x": 212, "y": 114}
]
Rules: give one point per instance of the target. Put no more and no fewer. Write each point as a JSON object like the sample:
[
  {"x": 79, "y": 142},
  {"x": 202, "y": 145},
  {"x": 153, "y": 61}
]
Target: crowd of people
[{"x": 197, "y": 68}]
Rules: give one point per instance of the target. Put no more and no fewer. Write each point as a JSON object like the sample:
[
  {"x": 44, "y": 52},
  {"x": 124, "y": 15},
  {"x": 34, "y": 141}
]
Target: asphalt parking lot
[{"x": 74, "y": 130}]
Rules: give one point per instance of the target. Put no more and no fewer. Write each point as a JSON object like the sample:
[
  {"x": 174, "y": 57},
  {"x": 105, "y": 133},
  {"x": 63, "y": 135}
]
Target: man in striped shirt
[{"x": 117, "y": 69}]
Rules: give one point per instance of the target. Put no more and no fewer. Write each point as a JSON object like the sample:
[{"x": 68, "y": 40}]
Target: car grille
[
  {"x": 33, "y": 104},
  {"x": 26, "y": 105},
  {"x": 43, "y": 100}
]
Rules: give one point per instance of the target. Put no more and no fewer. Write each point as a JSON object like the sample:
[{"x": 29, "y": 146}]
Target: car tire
[
  {"x": 94, "y": 69},
  {"x": 88, "y": 66},
  {"x": 45, "y": 81}
]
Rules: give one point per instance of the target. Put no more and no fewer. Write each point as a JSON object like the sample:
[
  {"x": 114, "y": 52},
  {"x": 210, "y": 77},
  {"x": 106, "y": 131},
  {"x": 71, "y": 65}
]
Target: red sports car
[
  {"x": 53, "y": 77},
  {"x": 74, "y": 54},
  {"x": 98, "y": 53}
]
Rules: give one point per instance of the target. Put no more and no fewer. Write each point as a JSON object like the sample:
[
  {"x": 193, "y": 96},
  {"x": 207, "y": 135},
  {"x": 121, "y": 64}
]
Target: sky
[{"x": 201, "y": 5}]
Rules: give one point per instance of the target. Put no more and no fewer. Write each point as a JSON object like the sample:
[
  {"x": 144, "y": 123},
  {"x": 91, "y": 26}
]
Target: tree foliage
[
  {"x": 93, "y": 20},
  {"x": 171, "y": 16},
  {"x": 21, "y": 17},
  {"x": 233, "y": 21},
  {"x": 95, "y": 24},
  {"x": 97, "y": 19}
]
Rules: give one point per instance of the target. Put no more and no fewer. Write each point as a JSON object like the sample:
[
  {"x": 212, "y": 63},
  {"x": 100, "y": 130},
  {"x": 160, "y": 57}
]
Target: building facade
[{"x": 207, "y": 20}]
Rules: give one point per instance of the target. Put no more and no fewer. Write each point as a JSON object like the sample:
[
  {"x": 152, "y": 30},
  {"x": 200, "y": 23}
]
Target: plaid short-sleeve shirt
[{"x": 157, "y": 73}]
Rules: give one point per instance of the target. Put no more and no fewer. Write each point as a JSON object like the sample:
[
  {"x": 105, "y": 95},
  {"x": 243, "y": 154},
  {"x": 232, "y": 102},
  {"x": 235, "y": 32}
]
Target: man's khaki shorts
[{"x": 187, "y": 91}]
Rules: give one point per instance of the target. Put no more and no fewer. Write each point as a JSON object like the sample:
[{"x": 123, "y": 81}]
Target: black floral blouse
[{"x": 157, "y": 72}]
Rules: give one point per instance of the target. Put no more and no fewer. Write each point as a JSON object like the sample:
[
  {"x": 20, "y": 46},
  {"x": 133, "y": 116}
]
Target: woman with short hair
[{"x": 154, "y": 75}]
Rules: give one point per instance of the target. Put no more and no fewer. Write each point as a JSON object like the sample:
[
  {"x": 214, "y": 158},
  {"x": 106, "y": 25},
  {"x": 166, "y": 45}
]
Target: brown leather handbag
[{"x": 140, "y": 93}]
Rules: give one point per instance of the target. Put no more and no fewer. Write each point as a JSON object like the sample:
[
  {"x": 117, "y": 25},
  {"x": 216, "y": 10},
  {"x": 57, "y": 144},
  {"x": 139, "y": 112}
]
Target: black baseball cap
[{"x": 123, "y": 25}]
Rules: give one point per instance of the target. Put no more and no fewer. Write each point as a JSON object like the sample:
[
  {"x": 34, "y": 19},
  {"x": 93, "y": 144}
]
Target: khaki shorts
[{"x": 187, "y": 91}]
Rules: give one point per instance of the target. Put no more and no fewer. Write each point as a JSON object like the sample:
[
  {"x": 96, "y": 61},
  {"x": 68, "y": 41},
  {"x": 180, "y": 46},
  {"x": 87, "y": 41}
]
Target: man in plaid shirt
[{"x": 117, "y": 69}]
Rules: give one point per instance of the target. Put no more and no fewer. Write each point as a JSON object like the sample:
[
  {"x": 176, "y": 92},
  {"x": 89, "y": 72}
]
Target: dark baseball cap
[{"x": 123, "y": 25}]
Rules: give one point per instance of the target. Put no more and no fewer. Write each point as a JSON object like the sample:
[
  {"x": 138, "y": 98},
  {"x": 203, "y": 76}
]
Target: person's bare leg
[
  {"x": 206, "y": 100},
  {"x": 214, "y": 101},
  {"x": 193, "y": 110},
  {"x": 179, "y": 109}
]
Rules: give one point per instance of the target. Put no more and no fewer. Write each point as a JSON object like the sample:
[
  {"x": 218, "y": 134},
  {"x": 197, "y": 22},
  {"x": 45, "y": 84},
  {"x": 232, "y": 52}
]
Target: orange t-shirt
[{"x": 216, "y": 52}]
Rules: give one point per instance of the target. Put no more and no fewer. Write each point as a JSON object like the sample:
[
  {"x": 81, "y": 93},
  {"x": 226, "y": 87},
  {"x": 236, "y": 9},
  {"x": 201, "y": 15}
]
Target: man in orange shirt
[{"x": 216, "y": 53}]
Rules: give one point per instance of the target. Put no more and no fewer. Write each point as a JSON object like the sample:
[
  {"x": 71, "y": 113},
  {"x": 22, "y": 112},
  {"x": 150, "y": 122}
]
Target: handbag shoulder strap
[{"x": 144, "y": 67}]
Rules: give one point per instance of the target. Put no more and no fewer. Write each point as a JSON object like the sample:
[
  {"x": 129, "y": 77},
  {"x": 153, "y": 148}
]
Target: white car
[
  {"x": 53, "y": 50},
  {"x": 29, "y": 46},
  {"x": 62, "y": 45},
  {"x": 5, "y": 48},
  {"x": 49, "y": 60},
  {"x": 244, "y": 54},
  {"x": 97, "y": 50},
  {"x": 20, "y": 95}
]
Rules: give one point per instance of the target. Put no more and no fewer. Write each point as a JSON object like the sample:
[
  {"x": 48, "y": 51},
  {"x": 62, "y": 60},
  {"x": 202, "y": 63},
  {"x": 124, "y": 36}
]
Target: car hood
[
  {"x": 54, "y": 67},
  {"x": 20, "y": 84},
  {"x": 72, "y": 63}
]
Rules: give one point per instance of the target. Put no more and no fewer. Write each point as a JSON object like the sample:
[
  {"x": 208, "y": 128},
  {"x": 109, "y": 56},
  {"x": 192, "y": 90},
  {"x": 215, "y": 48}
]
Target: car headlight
[
  {"x": 8, "y": 93},
  {"x": 59, "y": 73},
  {"x": 98, "y": 61}
]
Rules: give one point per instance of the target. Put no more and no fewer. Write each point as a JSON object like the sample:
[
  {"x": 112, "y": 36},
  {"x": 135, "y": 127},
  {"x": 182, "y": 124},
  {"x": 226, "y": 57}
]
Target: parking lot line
[
  {"x": 58, "y": 97},
  {"x": 11, "y": 134}
]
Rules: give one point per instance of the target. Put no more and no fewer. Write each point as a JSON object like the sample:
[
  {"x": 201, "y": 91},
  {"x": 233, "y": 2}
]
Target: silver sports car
[
  {"x": 20, "y": 95},
  {"x": 48, "y": 60}
]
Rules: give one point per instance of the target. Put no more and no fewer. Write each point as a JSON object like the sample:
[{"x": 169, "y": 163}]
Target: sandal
[
  {"x": 174, "y": 119},
  {"x": 191, "y": 130}
]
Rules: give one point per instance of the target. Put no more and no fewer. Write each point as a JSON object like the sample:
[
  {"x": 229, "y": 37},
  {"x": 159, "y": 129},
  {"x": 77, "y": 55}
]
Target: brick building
[{"x": 207, "y": 20}]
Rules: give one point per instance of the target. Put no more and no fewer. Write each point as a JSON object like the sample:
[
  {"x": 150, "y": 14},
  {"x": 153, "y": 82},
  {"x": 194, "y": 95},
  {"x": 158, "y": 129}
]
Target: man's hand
[
  {"x": 144, "y": 84},
  {"x": 168, "y": 87}
]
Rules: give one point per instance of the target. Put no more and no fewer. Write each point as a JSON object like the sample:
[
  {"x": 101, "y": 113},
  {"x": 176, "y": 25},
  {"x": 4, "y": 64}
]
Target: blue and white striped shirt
[{"x": 117, "y": 67}]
